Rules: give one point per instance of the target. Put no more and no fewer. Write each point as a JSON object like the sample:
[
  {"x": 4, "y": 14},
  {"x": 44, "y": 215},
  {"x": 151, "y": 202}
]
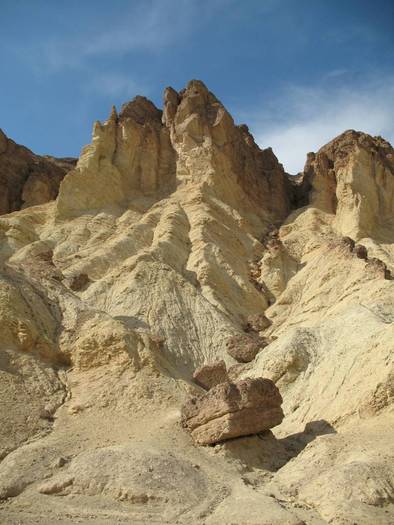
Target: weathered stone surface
[
  {"x": 257, "y": 323},
  {"x": 130, "y": 156},
  {"x": 232, "y": 410},
  {"x": 361, "y": 252},
  {"x": 378, "y": 267},
  {"x": 211, "y": 147},
  {"x": 211, "y": 374},
  {"x": 78, "y": 282},
  {"x": 348, "y": 242},
  {"x": 346, "y": 170},
  {"x": 244, "y": 348},
  {"x": 166, "y": 214},
  {"x": 234, "y": 372},
  {"x": 140, "y": 110},
  {"x": 27, "y": 179}
]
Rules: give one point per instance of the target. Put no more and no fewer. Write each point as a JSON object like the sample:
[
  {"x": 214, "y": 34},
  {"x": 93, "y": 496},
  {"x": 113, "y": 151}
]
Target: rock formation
[
  {"x": 352, "y": 177},
  {"x": 210, "y": 375},
  {"x": 27, "y": 179},
  {"x": 232, "y": 410},
  {"x": 244, "y": 348},
  {"x": 176, "y": 242}
]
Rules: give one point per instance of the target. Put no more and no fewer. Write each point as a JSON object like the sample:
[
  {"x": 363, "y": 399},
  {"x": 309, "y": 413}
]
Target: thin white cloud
[{"x": 303, "y": 119}]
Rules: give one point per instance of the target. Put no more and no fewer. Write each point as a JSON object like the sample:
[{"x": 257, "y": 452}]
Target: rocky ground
[{"x": 174, "y": 243}]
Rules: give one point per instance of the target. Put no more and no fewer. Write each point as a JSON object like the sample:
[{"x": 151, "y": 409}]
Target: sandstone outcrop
[
  {"x": 180, "y": 232},
  {"x": 232, "y": 410},
  {"x": 211, "y": 374},
  {"x": 353, "y": 177},
  {"x": 130, "y": 155},
  {"x": 27, "y": 179}
]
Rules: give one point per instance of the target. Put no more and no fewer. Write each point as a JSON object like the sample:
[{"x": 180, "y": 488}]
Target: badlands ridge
[{"x": 176, "y": 242}]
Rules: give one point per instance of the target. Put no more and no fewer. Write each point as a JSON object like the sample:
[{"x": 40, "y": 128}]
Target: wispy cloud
[{"x": 304, "y": 118}]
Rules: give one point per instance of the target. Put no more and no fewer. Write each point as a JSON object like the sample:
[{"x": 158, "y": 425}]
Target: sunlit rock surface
[{"x": 174, "y": 234}]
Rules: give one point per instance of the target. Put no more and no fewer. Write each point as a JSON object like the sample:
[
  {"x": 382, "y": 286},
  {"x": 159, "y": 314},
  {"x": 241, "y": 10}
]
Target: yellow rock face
[{"x": 184, "y": 230}]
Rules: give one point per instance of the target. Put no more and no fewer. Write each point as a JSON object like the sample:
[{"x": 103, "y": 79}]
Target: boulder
[
  {"x": 378, "y": 267},
  {"x": 244, "y": 348},
  {"x": 231, "y": 410},
  {"x": 361, "y": 251},
  {"x": 210, "y": 375},
  {"x": 257, "y": 323},
  {"x": 78, "y": 282},
  {"x": 348, "y": 242}
]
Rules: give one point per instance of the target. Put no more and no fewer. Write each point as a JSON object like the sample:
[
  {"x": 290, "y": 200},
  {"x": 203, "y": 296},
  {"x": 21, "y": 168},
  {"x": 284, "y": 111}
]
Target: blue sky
[{"x": 298, "y": 72}]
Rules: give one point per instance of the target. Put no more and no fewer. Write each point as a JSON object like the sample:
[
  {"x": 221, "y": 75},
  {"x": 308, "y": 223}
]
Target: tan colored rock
[
  {"x": 130, "y": 155},
  {"x": 211, "y": 148},
  {"x": 232, "y": 410},
  {"x": 244, "y": 348},
  {"x": 353, "y": 177},
  {"x": 212, "y": 374},
  {"x": 186, "y": 228}
]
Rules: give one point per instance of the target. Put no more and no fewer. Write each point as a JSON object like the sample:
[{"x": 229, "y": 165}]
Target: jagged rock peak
[
  {"x": 203, "y": 131},
  {"x": 338, "y": 150},
  {"x": 3, "y": 141},
  {"x": 113, "y": 115},
  {"x": 140, "y": 109},
  {"x": 144, "y": 151},
  {"x": 353, "y": 177},
  {"x": 195, "y": 98}
]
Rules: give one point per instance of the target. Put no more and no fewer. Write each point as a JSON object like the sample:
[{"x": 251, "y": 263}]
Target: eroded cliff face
[
  {"x": 174, "y": 236},
  {"x": 149, "y": 154},
  {"x": 130, "y": 156},
  {"x": 352, "y": 177},
  {"x": 27, "y": 179}
]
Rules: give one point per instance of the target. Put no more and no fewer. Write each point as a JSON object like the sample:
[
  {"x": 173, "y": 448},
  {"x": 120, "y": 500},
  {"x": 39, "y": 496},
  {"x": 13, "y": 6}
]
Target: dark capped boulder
[
  {"x": 361, "y": 251},
  {"x": 378, "y": 267},
  {"x": 348, "y": 243}
]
